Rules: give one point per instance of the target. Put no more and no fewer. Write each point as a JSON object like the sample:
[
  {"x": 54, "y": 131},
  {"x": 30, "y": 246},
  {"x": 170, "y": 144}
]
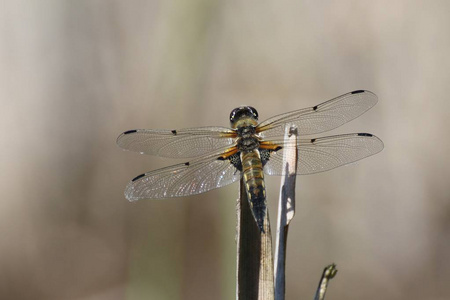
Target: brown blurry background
[{"x": 75, "y": 74}]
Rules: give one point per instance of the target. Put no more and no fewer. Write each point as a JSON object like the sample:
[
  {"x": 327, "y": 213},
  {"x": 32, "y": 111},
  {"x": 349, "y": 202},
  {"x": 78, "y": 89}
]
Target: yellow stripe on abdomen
[{"x": 252, "y": 170}]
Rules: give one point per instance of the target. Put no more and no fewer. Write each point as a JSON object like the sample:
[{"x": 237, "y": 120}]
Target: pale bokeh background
[{"x": 75, "y": 74}]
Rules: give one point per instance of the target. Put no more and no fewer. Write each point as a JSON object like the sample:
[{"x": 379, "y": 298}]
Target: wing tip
[
  {"x": 129, "y": 191},
  {"x": 374, "y": 137},
  {"x": 119, "y": 142}
]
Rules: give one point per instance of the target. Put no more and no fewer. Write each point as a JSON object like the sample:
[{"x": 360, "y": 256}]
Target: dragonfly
[{"x": 249, "y": 150}]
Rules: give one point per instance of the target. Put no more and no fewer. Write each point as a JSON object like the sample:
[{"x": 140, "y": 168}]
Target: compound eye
[
  {"x": 233, "y": 114},
  {"x": 254, "y": 112}
]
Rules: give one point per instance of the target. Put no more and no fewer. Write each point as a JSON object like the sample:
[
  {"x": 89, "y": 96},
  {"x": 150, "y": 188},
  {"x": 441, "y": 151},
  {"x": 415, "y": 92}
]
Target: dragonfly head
[{"x": 243, "y": 116}]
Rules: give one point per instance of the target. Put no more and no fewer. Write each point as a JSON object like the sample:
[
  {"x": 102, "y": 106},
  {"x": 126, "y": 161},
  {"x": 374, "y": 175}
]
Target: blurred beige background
[{"x": 75, "y": 74}]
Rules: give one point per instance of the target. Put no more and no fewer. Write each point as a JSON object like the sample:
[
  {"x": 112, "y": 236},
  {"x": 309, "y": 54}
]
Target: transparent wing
[
  {"x": 322, "y": 117},
  {"x": 183, "y": 143},
  {"x": 184, "y": 179},
  {"x": 326, "y": 153}
]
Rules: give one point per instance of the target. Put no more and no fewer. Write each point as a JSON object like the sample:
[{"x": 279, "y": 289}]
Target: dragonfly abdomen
[{"x": 252, "y": 171}]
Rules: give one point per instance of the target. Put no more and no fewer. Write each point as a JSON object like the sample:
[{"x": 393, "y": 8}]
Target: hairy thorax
[{"x": 248, "y": 141}]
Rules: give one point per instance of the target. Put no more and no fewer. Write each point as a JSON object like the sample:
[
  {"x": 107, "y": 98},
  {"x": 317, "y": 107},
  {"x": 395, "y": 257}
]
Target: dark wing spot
[
  {"x": 315, "y": 107},
  {"x": 313, "y": 140},
  {"x": 220, "y": 158},
  {"x": 358, "y": 92},
  {"x": 364, "y": 134},
  {"x": 174, "y": 132},
  {"x": 278, "y": 148},
  {"x": 186, "y": 163},
  {"x": 129, "y": 131},
  {"x": 137, "y": 177}
]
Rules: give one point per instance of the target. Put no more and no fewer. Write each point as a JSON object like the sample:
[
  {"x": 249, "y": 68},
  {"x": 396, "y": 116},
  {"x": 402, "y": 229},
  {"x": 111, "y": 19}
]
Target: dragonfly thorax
[
  {"x": 247, "y": 138},
  {"x": 246, "y": 131}
]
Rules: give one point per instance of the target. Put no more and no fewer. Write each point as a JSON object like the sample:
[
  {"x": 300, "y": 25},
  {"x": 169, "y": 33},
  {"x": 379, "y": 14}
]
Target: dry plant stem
[
  {"x": 328, "y": 273},
  {"x": 254, "y": 254},
  {"x": 286, "y": 211}
]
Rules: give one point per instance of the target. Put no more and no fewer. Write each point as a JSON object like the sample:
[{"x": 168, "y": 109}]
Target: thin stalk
[
  {"x": 286, "y": 210},
  {"x": 254, "y": 254},
  {"x": 328, "y": 273}
]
